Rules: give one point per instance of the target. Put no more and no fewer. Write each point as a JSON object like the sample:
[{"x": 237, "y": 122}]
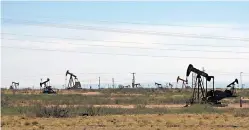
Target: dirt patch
[
  {"x": 80, "y": 92},
  {"x": 166, "y": 106},
  {"x": 131, "y": 94},
  {"x": 91, "y": 93},
  {"x": 237, "y": 105},
  {"x": 116, "y": 106}
]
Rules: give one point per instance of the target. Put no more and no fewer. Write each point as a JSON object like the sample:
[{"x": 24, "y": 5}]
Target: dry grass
[
  {"x": 129, "y": 122},
  {"x": 139, "y": 102}
]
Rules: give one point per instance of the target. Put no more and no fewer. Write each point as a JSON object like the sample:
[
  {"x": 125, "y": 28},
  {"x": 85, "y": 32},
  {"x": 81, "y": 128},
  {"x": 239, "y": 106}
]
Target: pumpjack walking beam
[{"x": 45, "y": 83}]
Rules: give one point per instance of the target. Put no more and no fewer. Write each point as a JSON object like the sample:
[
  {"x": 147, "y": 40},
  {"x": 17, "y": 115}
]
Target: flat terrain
[
  {"x": 118, "y": 109},
  {"x": 130, "y": 122}
]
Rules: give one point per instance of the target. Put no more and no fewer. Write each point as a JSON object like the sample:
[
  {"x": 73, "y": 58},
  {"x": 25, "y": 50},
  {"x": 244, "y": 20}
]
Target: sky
[{"x": 64, "y": 26}]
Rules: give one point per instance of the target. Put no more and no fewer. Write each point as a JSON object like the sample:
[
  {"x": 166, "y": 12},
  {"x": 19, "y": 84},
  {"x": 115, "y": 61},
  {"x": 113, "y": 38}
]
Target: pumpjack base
[{"x": 48, "y": 90}]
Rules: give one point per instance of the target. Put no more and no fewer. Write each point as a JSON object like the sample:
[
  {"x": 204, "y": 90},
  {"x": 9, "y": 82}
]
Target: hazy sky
[{"x": 214, "y": 19}]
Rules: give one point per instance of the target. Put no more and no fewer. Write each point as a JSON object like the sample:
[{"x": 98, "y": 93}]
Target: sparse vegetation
[{"x": 142, "y": 103}]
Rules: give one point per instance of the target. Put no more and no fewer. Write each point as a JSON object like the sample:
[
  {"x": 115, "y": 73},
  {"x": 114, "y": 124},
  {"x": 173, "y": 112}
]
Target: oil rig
[
  {"x": 46, "y": 87},
  {"x": 73, "y": 82}
]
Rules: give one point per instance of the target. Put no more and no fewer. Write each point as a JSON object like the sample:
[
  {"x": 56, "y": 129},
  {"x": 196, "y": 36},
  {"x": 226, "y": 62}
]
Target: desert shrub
[
  {"x": 15, "y": 110},
  {"x": 2, "y": 123},
  {"x": 27, "y": 123},
  {"x": 199, "y": 108},
  {"x": 241, "y": 113},
  {"x": 34, "y": 123},
  {"x": 140, "y": 106},
  {"x": 93, "y": 111},
  {"x": 5, "y": 100},
  {"x": 54, "y": 111}
]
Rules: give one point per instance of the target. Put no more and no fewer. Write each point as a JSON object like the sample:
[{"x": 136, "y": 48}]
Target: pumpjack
[
  {"x": 46, "y": 87},
  {"x": 127, "y": 86},
  {"x": 137, "y": 85},
  {"x": 184, "y": 82},
  {"x": 217, "y": 95},
  {"x": 200, "y": 92},
  {"x": 122, "y": 86},
  {"x": 158, "y": 85},
  {"x": 170, "y": 85},
  {"x": 14, "y": 85},
  {"x": 73, "y": 81},
  {"x": 231, "y": 90}
]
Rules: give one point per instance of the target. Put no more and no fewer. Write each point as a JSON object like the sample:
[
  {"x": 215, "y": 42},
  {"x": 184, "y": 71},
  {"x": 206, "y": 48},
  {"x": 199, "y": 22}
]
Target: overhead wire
[
  {"x": 120, "y": 54},
  {"x": 129, "y": 31},
  {"x": 130, "y": 47},
  {"x": 144, "y": 23},
  {"x": 114, "y": 41},
  {"x": 123, "y": 73}
]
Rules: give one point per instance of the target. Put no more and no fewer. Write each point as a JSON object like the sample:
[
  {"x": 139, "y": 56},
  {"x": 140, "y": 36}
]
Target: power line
[
  {"x": 120, "y": 54},
  {"x": 83, "y": 39},
  {"x": 123, "y": 73},
  {"x": 105, "y": 29},
  {"x": 148, "y": 23},
  {"x": 129, "y": 47}
]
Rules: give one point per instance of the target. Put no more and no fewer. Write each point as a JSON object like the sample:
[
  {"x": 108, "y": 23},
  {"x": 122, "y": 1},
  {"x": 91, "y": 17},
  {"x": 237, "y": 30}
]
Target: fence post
[{"x": 240, "y": 101}]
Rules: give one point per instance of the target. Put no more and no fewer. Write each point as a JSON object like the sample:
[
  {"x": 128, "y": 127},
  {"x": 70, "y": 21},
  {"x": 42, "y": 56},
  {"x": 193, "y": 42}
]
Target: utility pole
[
  {"x": 99, "y": 83},
  {"x": 113, "y": 83},
  {"x": 40, "y": 86},
  {"x": 241, "y": 80},
  {"x": 133, "y": 80}
]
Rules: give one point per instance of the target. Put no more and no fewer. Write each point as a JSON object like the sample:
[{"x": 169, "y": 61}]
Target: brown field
[
  {"x": 120, "y": 110},
  {"x": 129, "y": 122}
]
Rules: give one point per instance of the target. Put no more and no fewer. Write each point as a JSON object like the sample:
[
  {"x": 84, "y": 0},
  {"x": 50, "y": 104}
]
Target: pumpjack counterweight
[{"x": 73, "y": 82}]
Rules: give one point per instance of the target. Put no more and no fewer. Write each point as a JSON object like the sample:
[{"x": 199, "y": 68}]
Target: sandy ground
[
  {"x": 236, "y": 105},
  {"x": 58, "y": 92},
  {"x": 129, "y": 122},
  {"x": 131, "y": 94}
]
